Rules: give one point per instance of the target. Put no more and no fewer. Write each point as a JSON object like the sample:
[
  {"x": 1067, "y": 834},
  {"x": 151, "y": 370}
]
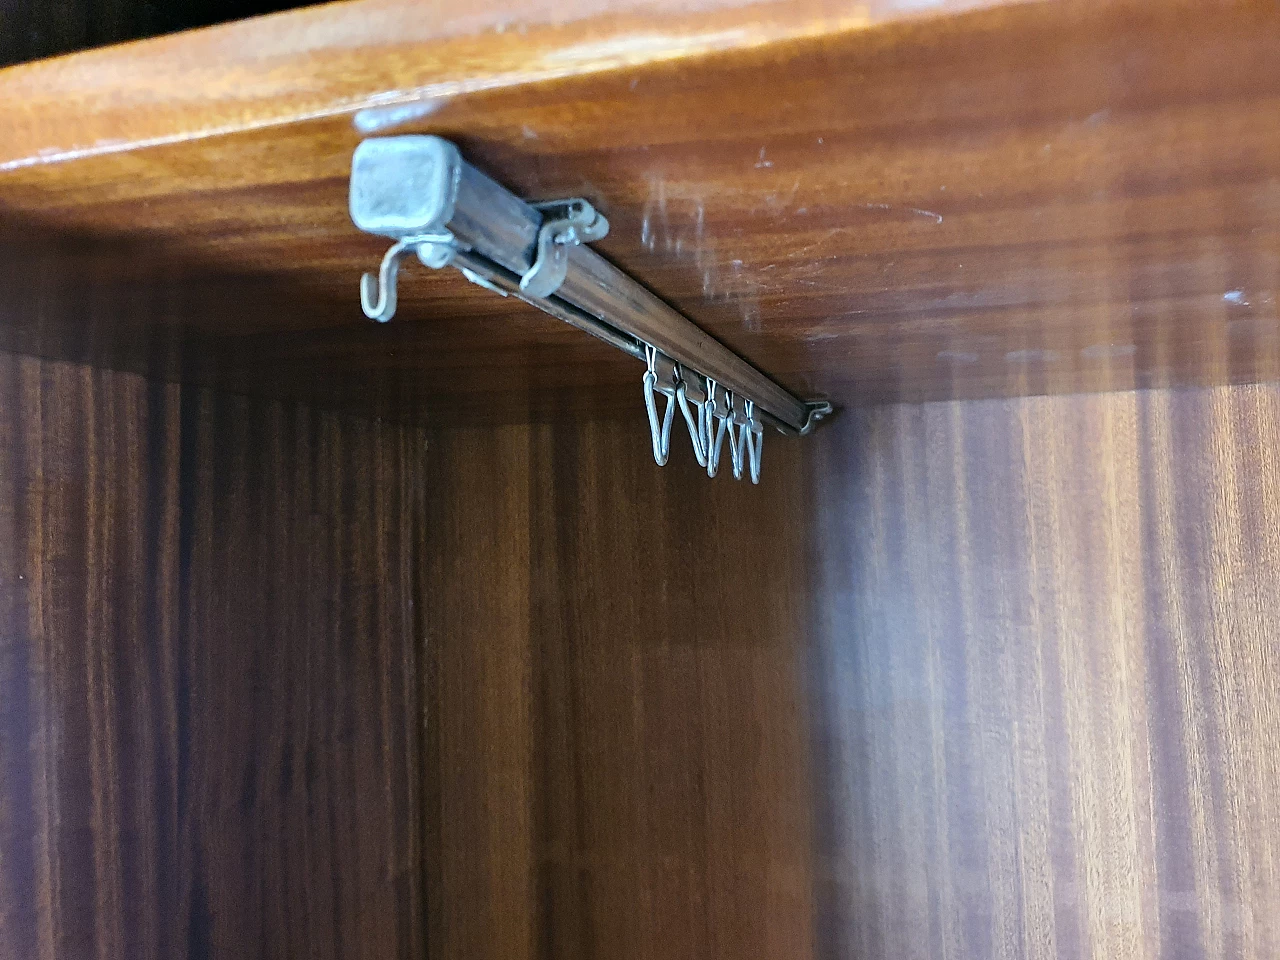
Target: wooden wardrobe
[{"x": 323, "y": 638}]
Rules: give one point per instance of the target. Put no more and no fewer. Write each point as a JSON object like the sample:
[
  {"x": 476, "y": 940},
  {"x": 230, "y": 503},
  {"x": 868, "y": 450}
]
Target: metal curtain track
[{"x": 418, "y": 191}]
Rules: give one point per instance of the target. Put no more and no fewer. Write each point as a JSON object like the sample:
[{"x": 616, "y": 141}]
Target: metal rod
[
  {"x": 419, "y": 187},
  {"x": 601, "y": 289},
  {"x": 509, "y": 283},
  {"x": 486, "y": 215}
]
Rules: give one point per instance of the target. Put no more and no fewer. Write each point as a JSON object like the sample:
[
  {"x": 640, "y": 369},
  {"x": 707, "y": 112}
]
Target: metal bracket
[
  {"x": 815, "y": 410},
  {"x": 715, "y": 414},
  {"x": 378, "y": 294},
  {"x": 565, "y": 223}
]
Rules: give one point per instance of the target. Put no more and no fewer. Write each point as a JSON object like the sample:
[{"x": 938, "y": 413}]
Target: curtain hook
[
  {"x": 378, "y": 294},
  {"x": 737, "y": 428},
  {"x": 755, "y": 441},
  {"x": 661, "y": 435},
  {"x": 716, "y": 409},
  {"x": 697, "y": 433}
]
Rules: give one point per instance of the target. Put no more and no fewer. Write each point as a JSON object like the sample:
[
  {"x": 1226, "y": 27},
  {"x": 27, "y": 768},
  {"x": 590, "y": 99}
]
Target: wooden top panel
[
  {"x": 1026, "y": 198},
  {"x": 339, "y": 58}
]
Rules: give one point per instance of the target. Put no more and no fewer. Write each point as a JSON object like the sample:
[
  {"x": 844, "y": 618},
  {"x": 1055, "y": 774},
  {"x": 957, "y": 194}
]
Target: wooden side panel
[
  {"x": 210, "y": 719},
  {"x": 1046, "y": 678}
]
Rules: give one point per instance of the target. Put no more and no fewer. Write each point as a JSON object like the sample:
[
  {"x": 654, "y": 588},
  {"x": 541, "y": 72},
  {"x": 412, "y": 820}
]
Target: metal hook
[
  {"x": 739, "y": 451},
  {"x": 378, "y": 294},
  {"x": 739, "y": 427},
  {"x": 711, "y": 413},
  {"x": 735, "y": 448},
  {"x": 661, "y": 435},
  {"x": 695, "y": 423},
  {"x": 755, "y": 441}
]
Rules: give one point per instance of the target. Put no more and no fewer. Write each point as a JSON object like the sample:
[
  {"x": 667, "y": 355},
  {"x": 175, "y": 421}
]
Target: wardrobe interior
[{"x": 323, "y": 638}]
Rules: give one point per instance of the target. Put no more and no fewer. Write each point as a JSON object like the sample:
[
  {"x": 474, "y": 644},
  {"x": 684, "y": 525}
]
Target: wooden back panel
[{"x": 983, "y": 679}]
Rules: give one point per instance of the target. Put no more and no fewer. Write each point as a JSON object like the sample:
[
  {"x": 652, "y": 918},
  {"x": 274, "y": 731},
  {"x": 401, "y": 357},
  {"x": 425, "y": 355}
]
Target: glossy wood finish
[
  {"x": 1022, "y": 199},
  {"x": 977, "y": 680},
  {"x": 344, "y": 57},
  {"x": 209, "y": 707},
  {"x": 1045, "y": 657},
  {"x": 972, "y": 680}
]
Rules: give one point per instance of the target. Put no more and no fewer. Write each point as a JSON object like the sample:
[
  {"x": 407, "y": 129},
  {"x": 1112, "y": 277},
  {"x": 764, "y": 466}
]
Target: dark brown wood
[
  {"x": 617, "y": 657},
  {"x": 131, "y": 306},
  {"x": 981, "y": 680},
  {"x": 973, "y": 680},
  {"x": 1023, "y": 199},
  {"x": 210, "y": 716},
  {"x": 991, "y": 679}
]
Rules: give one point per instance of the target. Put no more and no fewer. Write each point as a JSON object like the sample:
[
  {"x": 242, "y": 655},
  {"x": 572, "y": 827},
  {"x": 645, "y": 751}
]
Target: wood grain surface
[
  {"x": 970, "y": 680},
  {"x": 210, "y": 717},
  {"x": 616, "y": 657},
  {"x": 1045, "y": 668},
  {"x": 344, "y": 57},
  {"x": 1026, "y": 198}
]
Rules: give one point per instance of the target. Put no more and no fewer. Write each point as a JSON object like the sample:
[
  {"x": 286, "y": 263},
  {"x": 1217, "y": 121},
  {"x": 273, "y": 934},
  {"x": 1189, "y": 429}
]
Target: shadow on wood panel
[{"x": 118, "y": 303}]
